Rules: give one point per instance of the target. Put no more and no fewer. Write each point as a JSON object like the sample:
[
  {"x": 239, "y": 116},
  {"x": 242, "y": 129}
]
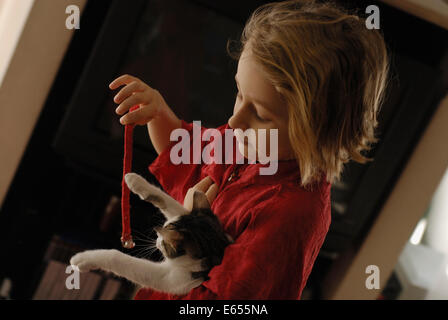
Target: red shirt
[{"x": 278, "y": 226}]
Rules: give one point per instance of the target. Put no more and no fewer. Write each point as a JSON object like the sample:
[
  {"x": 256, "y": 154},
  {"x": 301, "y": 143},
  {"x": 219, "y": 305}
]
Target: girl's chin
[{"x": 245, "y": 149}]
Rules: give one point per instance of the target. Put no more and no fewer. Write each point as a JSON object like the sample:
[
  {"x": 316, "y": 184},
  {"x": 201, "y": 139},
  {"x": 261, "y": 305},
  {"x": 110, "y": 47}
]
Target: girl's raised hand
[{"x": 136, "y": 92}]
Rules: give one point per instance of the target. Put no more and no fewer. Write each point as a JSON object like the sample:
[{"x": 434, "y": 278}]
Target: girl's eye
[
  {"x": 260, "y": 118},
  {"x": 238, "y": 96}
]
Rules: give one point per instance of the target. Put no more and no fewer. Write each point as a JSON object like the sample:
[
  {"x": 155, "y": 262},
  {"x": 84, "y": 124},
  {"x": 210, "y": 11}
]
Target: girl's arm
[{"x": 160, "y": 127}]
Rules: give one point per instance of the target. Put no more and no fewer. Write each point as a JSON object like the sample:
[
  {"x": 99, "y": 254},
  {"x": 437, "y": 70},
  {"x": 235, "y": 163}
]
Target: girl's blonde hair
[{"x": 332, "y": 72}]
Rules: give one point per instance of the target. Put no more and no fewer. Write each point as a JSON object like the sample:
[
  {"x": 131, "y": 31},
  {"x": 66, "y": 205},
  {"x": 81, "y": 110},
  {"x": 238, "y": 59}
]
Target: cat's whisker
[
  {"x": 147, "y": 252},
  {"x": 145, "y": 240},
  {"x": 141, "y": 234},
  {"x": 151, "y": 242},
  {"x": 141, "y": 252},
  {"x": 144, "y": 248},
  {"x": 141, "y": 245}
]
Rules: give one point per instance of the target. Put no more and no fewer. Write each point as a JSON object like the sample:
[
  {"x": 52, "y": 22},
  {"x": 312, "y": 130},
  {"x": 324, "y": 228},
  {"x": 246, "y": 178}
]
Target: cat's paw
[
  {"x": 85, "y": 261},
  {"x": 137, "y": 184}
]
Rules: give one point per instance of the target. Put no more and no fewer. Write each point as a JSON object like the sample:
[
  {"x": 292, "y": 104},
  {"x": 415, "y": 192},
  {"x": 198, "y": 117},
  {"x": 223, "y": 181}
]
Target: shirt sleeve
[{"x": 271, "y": 259}]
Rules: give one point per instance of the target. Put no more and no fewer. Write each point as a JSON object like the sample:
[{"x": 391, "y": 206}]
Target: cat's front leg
[
  {"x": 149, "y": 192},
  {"x": 94, "y": 259}
]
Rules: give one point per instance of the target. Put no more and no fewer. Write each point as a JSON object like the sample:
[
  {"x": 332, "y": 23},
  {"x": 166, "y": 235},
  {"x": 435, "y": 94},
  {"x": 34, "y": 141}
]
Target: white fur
[
  {"x": 144, "y": 189},
  {"x": 170, "y": 276}
]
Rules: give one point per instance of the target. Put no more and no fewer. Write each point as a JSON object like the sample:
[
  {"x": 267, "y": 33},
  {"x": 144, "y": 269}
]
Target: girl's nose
[{"x": 238, "y": 119}]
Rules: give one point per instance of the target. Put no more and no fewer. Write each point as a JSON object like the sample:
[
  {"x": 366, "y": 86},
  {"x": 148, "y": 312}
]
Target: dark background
[{"x": 68, "y": 182}]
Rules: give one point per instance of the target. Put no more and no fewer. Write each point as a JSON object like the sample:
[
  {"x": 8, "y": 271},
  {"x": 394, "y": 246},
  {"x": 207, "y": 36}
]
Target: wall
[{"x": 33, "y": 45}]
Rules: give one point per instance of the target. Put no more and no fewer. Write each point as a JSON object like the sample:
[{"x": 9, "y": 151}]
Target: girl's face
[{"x": 259, "y": 106}]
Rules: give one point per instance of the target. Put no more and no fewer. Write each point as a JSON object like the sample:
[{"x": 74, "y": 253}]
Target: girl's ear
[{"x": 200, "y": 200}]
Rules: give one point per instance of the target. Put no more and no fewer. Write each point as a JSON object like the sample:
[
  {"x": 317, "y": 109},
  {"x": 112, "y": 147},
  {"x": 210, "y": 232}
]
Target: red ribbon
[{"x": 126, "y": 237}]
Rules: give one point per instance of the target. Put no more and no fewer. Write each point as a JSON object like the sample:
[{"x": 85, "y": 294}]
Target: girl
[{"x": 316, "y": 74}]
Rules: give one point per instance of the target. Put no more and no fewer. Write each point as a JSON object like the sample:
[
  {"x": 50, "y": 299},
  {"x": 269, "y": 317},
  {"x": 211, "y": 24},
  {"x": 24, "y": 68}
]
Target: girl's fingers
[
  {"x": 140, "y": 116},
  {"x": 211, "y": 193},
  {"x": 204, "y": 184},
  {"x": 207, "y": 186},
  {"x": 131, "y": 117},
  {"x": 124, "y": 79},
  {"x": 134, "y": 86},
  {"x": 134, "y": 99},
  {"x": 188, "y": 200}
]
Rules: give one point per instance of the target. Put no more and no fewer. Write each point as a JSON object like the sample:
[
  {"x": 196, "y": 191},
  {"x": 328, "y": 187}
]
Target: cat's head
[{"x": 198, "y": 234}]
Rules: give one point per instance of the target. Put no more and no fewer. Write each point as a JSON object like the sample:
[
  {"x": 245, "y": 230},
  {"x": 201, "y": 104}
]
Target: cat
[{"x": 192, "y": 243}]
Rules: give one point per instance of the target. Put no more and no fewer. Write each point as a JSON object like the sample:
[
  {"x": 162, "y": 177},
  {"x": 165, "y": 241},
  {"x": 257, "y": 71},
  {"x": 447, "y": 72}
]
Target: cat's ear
[{"x": 200, "y": 200}]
